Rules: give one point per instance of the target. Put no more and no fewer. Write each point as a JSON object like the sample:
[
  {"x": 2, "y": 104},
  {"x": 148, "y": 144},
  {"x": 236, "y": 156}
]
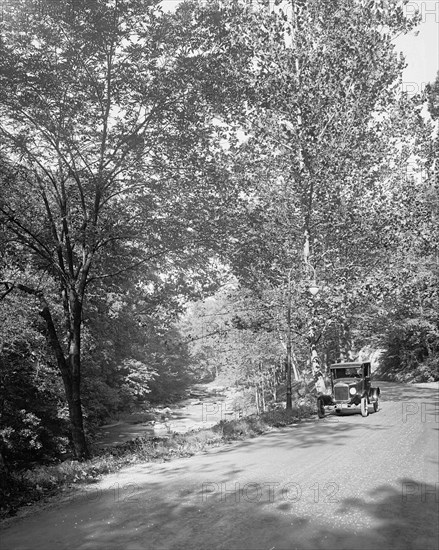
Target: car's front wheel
[
  {"x": 320, "y": 407},
  {"x": 364, "y": 407}
]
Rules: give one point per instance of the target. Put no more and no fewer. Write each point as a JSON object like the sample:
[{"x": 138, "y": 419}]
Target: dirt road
[{"x": 337, "y": 483}]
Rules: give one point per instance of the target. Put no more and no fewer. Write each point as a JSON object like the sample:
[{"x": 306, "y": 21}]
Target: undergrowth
[{"x": 28, "y": 486}]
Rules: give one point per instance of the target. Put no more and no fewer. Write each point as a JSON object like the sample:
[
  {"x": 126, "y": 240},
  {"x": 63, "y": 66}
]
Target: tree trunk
[
  {"x": 75, "y": 406},
  {"x": 289, "y": 404},
  {"x": 294, "y": 365},
  {"x": 80, "y": 449},
  {"x": 72, "y": 385},
  {"x": 70, "y": 371},
  {"x": 262, "y": 388},
  {"x": 345, "y": 342}
]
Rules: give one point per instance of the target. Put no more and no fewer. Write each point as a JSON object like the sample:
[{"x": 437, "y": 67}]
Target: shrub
[{"x": 411, "y": 352}]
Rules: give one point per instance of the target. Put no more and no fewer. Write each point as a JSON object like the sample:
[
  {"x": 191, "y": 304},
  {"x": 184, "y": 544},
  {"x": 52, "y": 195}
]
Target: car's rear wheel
[
  {"x": 320, "y": 407},
  {"x": 364, "y": 407},
  {"x": 375, "y": 406}
]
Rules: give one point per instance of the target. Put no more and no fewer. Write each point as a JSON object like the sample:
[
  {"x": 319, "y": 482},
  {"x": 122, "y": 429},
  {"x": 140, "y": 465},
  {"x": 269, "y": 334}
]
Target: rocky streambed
[{"x": 204, "y": 406}]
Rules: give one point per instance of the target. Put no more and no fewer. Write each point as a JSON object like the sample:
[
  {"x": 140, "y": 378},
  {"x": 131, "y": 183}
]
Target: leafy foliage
[
  {"x": 147, "y": 156},
  {"x": 113, "y": 162},
  {"x": 33, "y": 427}
]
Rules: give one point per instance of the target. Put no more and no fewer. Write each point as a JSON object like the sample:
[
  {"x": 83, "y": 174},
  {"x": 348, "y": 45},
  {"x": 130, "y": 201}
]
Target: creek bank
[{"x": 204, "y": 406}]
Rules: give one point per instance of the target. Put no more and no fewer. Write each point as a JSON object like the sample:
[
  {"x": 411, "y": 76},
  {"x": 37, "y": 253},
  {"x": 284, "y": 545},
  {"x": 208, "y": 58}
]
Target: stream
[{"x": 205, "y": 406}]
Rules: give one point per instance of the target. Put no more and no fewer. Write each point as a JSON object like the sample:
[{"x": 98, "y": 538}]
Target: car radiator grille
[{"x": 341, "y": 393}]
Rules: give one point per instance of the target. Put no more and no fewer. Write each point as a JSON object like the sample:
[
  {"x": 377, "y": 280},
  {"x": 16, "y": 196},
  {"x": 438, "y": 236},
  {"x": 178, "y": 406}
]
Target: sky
[{"x": 421, "y": 51}]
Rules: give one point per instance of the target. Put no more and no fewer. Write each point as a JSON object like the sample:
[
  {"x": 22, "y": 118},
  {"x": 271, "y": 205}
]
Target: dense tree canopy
[
  {"x": 147, "y": 157},
  {"x": 112, "y": 162}
]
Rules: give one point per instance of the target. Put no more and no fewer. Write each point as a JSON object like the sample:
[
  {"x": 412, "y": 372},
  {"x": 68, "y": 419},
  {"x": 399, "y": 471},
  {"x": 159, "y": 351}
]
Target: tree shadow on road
[
  {"x": 397, "y": 518},
  {"x": 165, "y": 516}
]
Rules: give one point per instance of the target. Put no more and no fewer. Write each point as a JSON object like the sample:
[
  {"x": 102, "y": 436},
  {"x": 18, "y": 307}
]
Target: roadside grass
[{"x": 28, "y": 486}]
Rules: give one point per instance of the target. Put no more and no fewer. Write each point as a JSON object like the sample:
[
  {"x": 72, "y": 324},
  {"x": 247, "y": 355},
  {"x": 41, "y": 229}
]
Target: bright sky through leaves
[{"x": 420, "y": 47}]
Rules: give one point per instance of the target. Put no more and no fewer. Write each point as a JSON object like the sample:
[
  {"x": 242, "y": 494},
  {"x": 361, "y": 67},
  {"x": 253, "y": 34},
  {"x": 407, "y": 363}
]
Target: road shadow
[
  {"x": 404, "y": 517},
  {"x": 396, "y": 517}
]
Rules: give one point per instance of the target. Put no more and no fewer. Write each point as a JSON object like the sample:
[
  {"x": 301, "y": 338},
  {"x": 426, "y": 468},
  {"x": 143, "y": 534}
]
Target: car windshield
[{"x": 348, "y": 372}]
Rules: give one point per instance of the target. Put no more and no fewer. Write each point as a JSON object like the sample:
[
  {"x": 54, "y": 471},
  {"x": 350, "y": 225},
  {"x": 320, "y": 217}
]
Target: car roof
[{"x": 347, "y": 365}]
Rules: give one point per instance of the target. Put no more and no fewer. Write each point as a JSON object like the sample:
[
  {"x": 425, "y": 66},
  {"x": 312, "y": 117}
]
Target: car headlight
[{"x": 352, "y": 391}]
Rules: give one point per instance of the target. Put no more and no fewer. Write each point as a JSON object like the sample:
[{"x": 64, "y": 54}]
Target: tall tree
[
  {"x": 325, "y": 77},
  {"x": 113, "y": 163}
]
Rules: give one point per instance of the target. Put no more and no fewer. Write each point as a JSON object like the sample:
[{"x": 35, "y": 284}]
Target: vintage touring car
[{"x": 351, "y": 390}]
